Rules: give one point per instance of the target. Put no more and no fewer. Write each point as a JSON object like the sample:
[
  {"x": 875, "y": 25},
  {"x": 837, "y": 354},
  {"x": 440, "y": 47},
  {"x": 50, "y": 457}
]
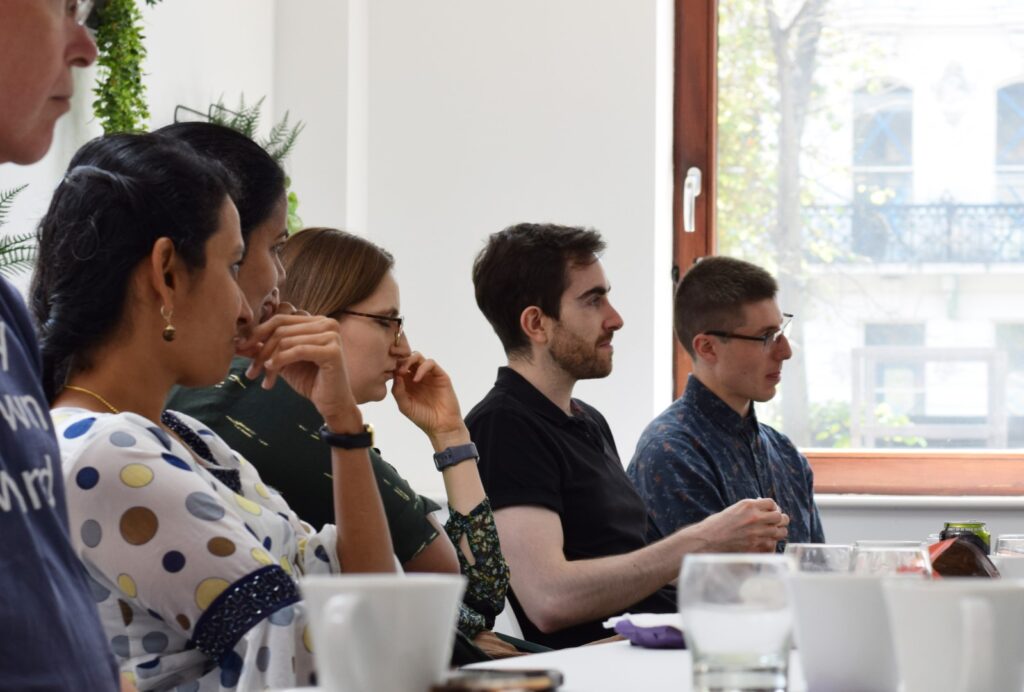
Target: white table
[{"x": 620, "y": 666}]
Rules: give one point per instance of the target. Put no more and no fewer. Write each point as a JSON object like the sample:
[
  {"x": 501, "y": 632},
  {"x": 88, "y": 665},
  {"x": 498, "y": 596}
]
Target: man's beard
[{"x": 577, "y": 358}]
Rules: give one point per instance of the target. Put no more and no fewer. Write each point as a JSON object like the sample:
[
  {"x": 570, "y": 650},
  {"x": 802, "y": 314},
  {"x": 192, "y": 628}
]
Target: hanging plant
[
  {"x": 120, "y": 103},
  {"x": 16, "y": 250},
  {"x": 245, "y": 118}
]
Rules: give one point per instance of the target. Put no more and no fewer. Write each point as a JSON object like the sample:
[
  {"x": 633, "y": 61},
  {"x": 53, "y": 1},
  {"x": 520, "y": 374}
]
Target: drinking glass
[
  {"x": 1011, "y": 544},
  {"x": 892, "y": 560},
  {"x": 737, "y": 618},
  {"x": 821, "y": 557}
]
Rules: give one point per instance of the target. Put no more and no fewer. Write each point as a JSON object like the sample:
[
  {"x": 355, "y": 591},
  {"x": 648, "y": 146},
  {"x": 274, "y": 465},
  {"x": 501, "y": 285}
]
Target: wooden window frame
[{"x": 875, "y": 471}]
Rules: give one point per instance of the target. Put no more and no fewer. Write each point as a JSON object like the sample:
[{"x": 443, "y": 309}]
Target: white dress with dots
[{"x": 192, "y": 563}]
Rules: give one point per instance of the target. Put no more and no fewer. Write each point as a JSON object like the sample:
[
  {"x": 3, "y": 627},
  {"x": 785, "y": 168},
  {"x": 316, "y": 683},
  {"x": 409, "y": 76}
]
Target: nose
[
  {"x": 81, "y": 49},
  {"x": 246, "y": 320},
  {"x": 783, "y": 349},
  {"x": 613, "y": 322},
  {"x": 401, "y": 349}
]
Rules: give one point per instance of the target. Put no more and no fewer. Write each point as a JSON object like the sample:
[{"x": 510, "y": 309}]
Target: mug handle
[
  {"x": 977, "y": 639},
  {"x": 340, "y": 626}
]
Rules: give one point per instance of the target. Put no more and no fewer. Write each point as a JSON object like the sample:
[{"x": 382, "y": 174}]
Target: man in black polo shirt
[{"x": 572, "y": 527}]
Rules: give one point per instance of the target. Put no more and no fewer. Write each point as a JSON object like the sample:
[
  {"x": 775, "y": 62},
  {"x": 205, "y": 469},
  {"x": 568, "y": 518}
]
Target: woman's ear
[
  {"x": 165, "y": 272},
  {"x": 534, "y": 324}
]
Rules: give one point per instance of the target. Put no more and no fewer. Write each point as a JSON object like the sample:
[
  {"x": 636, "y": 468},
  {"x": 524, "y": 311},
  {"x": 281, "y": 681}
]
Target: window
[
  {"x": 1010, "y": 144},
  {"x": 851, "y": 156}
]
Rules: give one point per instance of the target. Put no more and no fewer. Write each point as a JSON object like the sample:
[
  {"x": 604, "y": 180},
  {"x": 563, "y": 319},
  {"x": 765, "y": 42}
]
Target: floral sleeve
[{"x": 488, "y": 575}]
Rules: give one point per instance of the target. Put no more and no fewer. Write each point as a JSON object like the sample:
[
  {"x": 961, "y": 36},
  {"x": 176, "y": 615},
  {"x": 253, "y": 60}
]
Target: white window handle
[{"x": 691, "y": 189}]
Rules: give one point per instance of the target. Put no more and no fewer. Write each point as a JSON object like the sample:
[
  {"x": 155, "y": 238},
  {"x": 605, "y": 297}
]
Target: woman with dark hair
[
  {"x": 271, "y": 429},
  {"x": 350, "y": 279},
  {"x": 192, "y": 556}
]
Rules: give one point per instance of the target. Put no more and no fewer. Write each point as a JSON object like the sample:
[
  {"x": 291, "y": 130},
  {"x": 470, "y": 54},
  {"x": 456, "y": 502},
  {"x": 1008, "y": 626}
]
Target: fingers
[{"x": 266, "y": 338}]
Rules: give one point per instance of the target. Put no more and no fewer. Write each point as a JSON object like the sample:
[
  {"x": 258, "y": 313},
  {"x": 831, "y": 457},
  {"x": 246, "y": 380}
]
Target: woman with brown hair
[{"x": 348, "y": 278}]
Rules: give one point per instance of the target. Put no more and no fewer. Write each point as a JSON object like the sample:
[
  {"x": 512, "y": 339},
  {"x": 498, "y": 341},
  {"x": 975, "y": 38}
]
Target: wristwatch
[
  {"x": 450, "y": 456},
  {"x": 361, "y": 440}
]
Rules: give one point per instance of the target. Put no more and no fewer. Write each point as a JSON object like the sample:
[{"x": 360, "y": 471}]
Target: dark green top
[{"x": 277, "y": 431}]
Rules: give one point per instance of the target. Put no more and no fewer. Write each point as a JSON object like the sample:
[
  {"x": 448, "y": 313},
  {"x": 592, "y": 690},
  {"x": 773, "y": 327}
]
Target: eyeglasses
[
  {"x": 768, "y": 341},
  {"x": 87, "y": 12},
  {"x": 386, "y": 319}
]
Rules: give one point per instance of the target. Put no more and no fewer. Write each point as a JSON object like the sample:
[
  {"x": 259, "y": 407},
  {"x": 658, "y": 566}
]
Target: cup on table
[
  {"x": 897, "y": 559},
  {"x": 842, "y": 632},
  {"x": 1009, "y": 566},
  {"x": 737, "y": 619},
  {"x": 958, "y": 634},
  {"x": 359, "y": 623},
  {"x": 1009, "y": 544},
  {"x": 821, "y": 557}
]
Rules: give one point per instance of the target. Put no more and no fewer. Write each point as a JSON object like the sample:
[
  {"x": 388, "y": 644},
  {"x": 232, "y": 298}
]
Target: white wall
[{"x": 484, "y": 114}]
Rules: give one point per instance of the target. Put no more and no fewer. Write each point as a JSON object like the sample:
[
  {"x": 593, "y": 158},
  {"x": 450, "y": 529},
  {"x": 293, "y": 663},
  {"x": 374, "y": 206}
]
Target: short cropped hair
[
  {"x": 712, "y": 294},
  {"x": 527, "y": 265}
]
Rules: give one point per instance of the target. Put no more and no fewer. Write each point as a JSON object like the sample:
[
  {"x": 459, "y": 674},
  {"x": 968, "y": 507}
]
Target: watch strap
[
  {"x": 450, "y": 456},
  {"x": 360, "y": 440}
]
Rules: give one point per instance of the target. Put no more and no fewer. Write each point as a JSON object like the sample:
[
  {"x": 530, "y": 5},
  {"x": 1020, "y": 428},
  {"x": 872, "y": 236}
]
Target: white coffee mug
[
  {"x": 958, "y": 634},
  {"x": 842, "y": 632},
  {"x": 382, "y": 632},
  {"x": 1009, "y": 566}
]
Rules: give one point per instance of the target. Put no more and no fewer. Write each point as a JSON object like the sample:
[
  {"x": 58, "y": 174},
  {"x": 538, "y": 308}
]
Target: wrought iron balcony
[{"x": 915, "y": 233}]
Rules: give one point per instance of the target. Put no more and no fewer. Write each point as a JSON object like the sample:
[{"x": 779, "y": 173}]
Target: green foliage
[
  {"x": 830, "y": 425},
  {"x": 120, "y": 103},
  {"x": 280, "y": 141},
  {"x": 17, "y": 250},
  {"x": 246, "y": 119}
]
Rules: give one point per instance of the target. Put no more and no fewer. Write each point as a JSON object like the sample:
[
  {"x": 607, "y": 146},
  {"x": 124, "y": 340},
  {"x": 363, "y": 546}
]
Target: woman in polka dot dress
[{"x": 192, "y": 558}]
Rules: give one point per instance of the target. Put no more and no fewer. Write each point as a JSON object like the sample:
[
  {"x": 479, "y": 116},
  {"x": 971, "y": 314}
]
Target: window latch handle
[{"x": 691, "y": 190}]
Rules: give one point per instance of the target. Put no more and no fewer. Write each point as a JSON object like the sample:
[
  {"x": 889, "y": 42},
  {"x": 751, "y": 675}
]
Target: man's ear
[
  {"x": 166, "y": 272},
  {"x": 534, "y": 324},
  {"x": 705, "y": 349}
]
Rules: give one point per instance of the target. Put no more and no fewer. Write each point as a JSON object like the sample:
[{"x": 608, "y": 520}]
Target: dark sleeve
[
  {"x": 676, "y": 478},
  {"x": 488, "y": 575},
  {"x": 817, "y": 530},
  {"x": 518, "y": 463},
  {"x": 406, "y": 510}
]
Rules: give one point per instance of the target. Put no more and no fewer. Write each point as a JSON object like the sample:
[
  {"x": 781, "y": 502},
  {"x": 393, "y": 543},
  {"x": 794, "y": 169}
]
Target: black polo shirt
[{"x": 532, "y": 453}]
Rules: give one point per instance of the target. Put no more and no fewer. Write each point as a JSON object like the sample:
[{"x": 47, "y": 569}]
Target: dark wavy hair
[
  {"x": 120, "y": 194},
  {"x": 528, "y": 264},
  {"x": 261, "y": 180}
]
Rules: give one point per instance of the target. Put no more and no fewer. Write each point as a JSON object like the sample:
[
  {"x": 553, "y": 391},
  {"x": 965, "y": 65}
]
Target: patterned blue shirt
[{"x": 700, "y": 456}]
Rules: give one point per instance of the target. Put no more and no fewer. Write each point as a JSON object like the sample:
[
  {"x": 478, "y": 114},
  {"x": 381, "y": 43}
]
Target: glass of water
[
  {"x": 821, "y": 557},
  {"x": 1011, "y": 544},
  {"x": 910, "y": 560},
  {"x": 737, "y": 619}
]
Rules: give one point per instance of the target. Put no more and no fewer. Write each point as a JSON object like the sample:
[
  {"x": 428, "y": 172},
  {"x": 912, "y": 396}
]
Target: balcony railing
[{"x": 915, "y": 233}]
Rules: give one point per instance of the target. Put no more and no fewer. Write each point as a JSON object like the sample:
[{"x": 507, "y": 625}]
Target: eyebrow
[{"x": 595, "y": 291}]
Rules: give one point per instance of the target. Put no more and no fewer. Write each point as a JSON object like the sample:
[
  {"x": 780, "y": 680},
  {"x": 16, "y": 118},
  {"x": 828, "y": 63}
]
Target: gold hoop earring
[{"x": 169, "y": 332}]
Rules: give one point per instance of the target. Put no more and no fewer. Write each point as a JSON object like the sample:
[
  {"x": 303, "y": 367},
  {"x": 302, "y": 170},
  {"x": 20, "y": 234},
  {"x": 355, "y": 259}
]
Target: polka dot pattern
[
  {"x": 79, "y": 428},
  {"x": 173, "y": 561},
  {"x": 139, "y": 525},
  {"x": 204, "y": 506},
  {"x": 127, "y": 614},
  {"x": 221, "y": 547},
  {"x": 127, "y": 586},
  {"x": 154, "y": 642},
  {"x": 120, "y": 438},
  {"x": 87, "y": 478},
  {"x": 136, "y": 475},
  {"x": 176, "y": 462},
  {"x": 92, "y": 533},
  {"x": 208, "y": 590},
  {"x": 168, "y": 530}
]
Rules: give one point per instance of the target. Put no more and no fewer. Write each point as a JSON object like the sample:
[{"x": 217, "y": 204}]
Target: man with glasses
[
  {"x": 708, "y": 450},
  {"x": 52, "y": 638},
  {"x": 573, "y": 529}
]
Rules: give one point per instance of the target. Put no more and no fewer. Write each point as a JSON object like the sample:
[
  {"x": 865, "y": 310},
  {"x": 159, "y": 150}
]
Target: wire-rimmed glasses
[
  {"x": 768, "y": 341},
  {"x": 399, "y": 321}
]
